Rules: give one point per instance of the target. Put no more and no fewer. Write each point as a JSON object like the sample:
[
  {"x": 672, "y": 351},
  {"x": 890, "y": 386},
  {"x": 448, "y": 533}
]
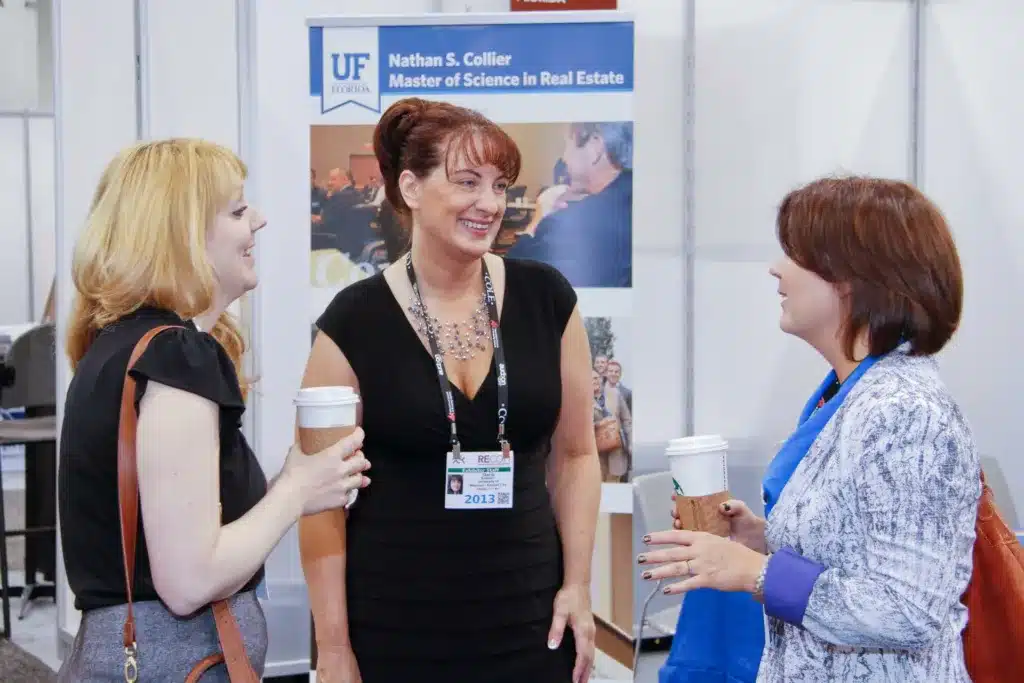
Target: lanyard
[{"x": 442, "y": 373}]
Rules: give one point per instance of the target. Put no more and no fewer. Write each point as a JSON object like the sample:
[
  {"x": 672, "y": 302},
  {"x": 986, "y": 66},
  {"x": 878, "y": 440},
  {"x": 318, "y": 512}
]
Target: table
[
  {"x": 33, "y": 432},
  {"x": 29, "y": 430}
]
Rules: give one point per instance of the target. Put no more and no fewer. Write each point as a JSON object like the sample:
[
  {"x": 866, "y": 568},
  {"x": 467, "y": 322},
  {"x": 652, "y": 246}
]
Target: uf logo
[{"x": 354, "y": 63}]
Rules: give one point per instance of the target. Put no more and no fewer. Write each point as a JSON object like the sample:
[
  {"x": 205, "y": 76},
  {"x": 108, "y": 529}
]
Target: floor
[
  {"x": 647, "y": 668},
  {"x": 37, "y": 632}
]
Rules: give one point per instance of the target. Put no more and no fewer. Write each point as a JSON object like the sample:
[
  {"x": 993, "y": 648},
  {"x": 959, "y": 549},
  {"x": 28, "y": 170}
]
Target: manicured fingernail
[
  {"x": 640, "y": 559},
  {"x": 647, "y": 575},
  {"x": 647, "y": 539},
  {"x": 666, "y": 590},
  {"x": 552, "y": 644}
]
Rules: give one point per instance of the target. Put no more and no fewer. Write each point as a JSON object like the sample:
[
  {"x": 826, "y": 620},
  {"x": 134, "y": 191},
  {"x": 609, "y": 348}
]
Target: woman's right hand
[
  {"x": 744, "y": 526},
  {"x": 326, "y": 479},
  {"x": 337, "y": 665}
]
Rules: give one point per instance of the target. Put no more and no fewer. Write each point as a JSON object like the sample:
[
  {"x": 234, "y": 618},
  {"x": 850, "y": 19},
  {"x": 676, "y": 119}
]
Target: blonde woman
[{"x": 169, "y": 241}]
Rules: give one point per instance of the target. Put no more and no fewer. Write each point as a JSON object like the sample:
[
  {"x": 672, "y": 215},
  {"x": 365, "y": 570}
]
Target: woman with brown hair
[
  {"x": 466, "y": 364},
  {"x": 871, "y": 503},
  {"x": 169, "y": 242}
]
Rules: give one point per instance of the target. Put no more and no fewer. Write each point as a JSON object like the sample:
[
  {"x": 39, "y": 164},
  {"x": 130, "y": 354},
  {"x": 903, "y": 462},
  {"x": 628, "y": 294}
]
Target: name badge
[{"x": 479, "y": 480}]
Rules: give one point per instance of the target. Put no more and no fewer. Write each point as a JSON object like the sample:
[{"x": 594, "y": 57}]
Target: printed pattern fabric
[{"x": 886, "y": 499}]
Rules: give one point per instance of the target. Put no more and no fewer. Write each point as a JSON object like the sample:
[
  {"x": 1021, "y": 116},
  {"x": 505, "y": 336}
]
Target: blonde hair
[{"x": 144, "y": 242}]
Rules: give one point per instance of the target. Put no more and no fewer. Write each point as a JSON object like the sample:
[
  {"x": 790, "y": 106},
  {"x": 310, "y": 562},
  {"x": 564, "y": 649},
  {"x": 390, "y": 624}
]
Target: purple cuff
[{"x": 788, "y": 583}]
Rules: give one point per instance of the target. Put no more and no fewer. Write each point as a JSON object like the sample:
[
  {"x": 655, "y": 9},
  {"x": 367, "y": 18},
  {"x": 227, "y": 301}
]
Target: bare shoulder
[{"x": 328, "y": 366}]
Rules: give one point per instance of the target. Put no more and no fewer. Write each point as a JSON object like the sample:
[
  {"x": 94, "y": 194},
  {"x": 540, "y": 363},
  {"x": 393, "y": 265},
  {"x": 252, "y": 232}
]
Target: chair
[
  {"x": 653, "y": 496},
  {"x": 32, "y": 358}
]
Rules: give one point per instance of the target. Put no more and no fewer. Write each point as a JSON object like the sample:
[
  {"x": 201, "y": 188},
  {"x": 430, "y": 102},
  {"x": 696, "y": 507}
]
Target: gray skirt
[{"x": 168, "y": 646}]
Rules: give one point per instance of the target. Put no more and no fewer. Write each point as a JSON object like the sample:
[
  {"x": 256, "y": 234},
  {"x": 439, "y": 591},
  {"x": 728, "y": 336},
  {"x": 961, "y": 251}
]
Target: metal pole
[
  {"x": 244, "y": 38},
  {"x": 61, "y": 299},
  {"x": 917, "y": 34},
  {"x": 27, "y": 147},
  {"x": 141, "y": 81},
  {"x": 689, "y": 213}
]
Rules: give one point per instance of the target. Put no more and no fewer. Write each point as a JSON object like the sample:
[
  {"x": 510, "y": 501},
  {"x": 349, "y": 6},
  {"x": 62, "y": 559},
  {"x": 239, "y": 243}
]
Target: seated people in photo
[
  {"x": 455, "y": 484},
  {"x": 342, "y": 219},
  {"x": 317, "y": 196},
  {"x": 590, "y": 240},
  {"x": 391, "y": 230}
]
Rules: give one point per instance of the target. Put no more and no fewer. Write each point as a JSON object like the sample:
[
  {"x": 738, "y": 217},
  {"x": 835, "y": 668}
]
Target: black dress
[{"x": 437, "y": 594}]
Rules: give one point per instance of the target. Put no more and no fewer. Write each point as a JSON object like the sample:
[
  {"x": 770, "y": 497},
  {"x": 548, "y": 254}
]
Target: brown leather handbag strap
[
  {"x": 128, "y": 479},
  {"x": 239, "y": 668}
]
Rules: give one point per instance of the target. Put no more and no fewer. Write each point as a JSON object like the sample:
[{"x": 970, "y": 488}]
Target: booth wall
[
  {"x": 19, "y": 90},
  {"x": 785, "y": 92},
  {"x": 95, "y": 119},
  {"x": 19, "y": 82},
  {"x": 190, "y": 90},
  {"x": 972, "y": 146},
  {"x": 26, "y": 167}
]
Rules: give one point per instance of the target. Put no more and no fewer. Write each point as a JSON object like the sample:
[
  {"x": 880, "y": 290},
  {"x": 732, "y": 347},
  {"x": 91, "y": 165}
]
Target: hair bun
[{"x": 393, "y": 130}]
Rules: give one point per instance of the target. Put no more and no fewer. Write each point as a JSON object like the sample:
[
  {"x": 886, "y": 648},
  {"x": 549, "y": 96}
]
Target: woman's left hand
[
  {"x": 572, "y": 608},
  {"x": 709, "y": 561}
]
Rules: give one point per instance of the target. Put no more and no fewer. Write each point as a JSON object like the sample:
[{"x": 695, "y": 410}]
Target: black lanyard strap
[{"x": 442, "y": 374}]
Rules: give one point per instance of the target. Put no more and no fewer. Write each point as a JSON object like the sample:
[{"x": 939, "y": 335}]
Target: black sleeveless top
[
  {"x": 90, "y": 535},
  {"x": 436, "y": 593}
]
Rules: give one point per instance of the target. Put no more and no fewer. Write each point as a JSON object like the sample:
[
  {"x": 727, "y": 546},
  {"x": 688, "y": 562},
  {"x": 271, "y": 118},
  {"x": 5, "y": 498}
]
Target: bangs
[
  {"x": 800, "y": 228},
  {"x": 484, "y": 145},
  {"x": 226, "y": 175}
]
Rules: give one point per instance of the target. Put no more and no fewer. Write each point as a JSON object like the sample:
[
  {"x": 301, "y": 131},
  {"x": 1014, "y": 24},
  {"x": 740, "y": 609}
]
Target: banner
[{"x": 561, "y": 88}]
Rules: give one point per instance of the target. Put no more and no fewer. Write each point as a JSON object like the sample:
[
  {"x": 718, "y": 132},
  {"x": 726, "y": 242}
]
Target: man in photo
[
  {"x": 590, "y": 240},
  {"x": 341, "y": 217},
  {"x": 613, "y": 385}
]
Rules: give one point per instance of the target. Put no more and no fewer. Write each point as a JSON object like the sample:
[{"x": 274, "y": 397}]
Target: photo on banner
[
  {"x": 562, "y": 89},
  {"x": 571, "y": 206},
  {"x": 610, "y": 350}
]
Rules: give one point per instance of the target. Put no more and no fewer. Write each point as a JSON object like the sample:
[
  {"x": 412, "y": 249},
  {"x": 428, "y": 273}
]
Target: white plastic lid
[
  {"x": 315, "y": 396},
  {"x": 689, "y": 445}
]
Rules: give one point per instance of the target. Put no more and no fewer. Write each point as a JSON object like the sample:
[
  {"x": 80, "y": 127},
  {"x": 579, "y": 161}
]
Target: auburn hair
[
  {"x": 420, "y": 135},
  {"x": 891, "y": 250},
  {"x": 144, "y": 241}
]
